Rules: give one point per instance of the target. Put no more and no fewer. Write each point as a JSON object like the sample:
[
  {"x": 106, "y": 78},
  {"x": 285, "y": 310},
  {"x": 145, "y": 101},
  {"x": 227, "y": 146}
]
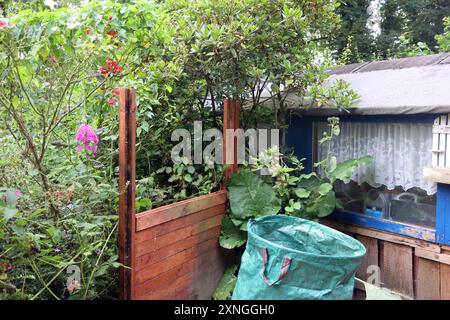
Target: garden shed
[{"x": 399, "y": 205}]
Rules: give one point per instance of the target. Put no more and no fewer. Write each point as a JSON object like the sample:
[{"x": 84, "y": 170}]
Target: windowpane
[{"x": 392, "y": 186}]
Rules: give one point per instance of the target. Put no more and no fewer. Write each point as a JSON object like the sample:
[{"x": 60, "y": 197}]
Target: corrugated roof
[
  {"x": 394, "y": 64},
  {"x": 400, "y": 86}
]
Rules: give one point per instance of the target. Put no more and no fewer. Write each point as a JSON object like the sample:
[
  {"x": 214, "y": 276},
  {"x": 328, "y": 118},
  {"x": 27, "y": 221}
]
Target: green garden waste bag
[{"x": 293, "y": 258}]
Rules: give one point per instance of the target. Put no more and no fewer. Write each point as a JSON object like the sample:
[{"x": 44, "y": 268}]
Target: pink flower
[
  {"x": 116, "y": 91},
  {"x": 87, "y": 138},
  {"x": 18, "y": 193},
  {"x": 112, "y": 101},
  {"x": 3, "y": 24}
]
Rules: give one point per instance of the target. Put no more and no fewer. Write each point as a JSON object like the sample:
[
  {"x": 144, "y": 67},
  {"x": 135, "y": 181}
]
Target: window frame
[{"x": 302, "y": 136}]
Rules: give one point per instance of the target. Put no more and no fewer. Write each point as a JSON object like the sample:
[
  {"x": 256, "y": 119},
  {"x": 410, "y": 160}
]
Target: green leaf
[
  {"x": 302, "y": 193},
  {"x": 55, "y": 234},
  {"x": 9, "y": 213},
  {"x": 145, "y": 126},
  {"x": 324, "y": 188},
  {"x": 191, "y": 169},
  {"x": 326, "y": 204},
  {"x": 11, "y": 198},
  {"x": 344, "y": 170},
  {"x": 250, "y": 196},
  {"x": 226, "y": 285},
  {"x": 230, "y": 236}
]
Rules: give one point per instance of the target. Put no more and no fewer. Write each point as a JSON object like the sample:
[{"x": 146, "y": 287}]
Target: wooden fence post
[
  {"x": 127, "y": 187},
  {"x": 230, "y": 121}
]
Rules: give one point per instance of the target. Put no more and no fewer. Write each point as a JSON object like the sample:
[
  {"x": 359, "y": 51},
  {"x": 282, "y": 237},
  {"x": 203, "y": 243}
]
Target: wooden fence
[{"x": 171, "y": 252}]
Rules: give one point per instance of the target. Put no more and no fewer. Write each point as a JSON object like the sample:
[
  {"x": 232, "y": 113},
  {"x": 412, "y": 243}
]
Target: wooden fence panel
[
  {"x": 171, "y": 252},
  {"x": 427, "y": 279},
  {"x": 371, "y": 257}
]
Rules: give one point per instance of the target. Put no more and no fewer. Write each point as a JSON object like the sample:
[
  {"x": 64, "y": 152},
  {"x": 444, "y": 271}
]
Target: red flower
[
  {"x": 3, "y": 24},
  {"x": 112, "y": 67},
  {"x": 116, "y": 91},
  {"x": 102, "y": 88},
  {"x": 110, "y": 18},
  {"x": 88, "y": 31},
  {"x": 112, "y": 33},
  {"x": 103, "y": 70}
]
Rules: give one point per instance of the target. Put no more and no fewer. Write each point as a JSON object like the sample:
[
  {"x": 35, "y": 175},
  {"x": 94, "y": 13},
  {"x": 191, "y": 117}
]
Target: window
[{"x": 392, "y": 187}]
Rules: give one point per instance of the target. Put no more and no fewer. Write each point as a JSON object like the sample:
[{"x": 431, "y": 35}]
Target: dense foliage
[
  {"x": 62, "y": 64},
  {"x": 287, "y": 190},
  {"x": 403, "y": 28}
]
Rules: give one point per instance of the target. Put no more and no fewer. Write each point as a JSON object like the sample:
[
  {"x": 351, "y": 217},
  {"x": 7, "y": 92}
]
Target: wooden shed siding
[{"x": 414, "y": 268}]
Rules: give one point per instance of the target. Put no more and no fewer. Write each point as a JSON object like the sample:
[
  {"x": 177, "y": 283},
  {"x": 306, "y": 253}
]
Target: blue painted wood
[
  {"x": 383, "y": 224},
  {"x": 442, "y": 214},
  {"x": 300, "y": 137}
]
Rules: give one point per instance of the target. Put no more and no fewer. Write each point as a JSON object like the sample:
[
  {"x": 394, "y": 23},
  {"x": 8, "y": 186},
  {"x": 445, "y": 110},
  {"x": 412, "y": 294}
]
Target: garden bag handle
[{"x": 284, "y": 268}]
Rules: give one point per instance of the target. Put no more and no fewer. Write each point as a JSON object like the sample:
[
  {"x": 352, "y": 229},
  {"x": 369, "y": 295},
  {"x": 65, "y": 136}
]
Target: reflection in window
[
  {"x": 392, "y": 186},
  {"x": 412, "y": 206}
]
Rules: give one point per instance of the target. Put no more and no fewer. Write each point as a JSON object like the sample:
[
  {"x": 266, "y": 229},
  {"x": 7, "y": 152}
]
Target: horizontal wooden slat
[
  {"x": 181, "y": 285},
  {"x": 390, "y": 237},
  {"x": 430, "y": 255},
  {"x": 179, "y": 223},
  {"x": 159, "y": 274},
  {"x": 437, "y": 174},
  {"x": 173, "y": 211},
  {"x": 173, "y": 261},
  {"x": 167, "y": 251},
  {"x": 175, "y": 236}
]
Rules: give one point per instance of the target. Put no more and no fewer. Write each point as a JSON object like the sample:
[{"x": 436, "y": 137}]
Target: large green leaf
[
  {"x": 230, "y": 235},
  {"x": 9, "y": 213},
  {"x": 326, "y": 204},
  {"x": 250, "y": 196},
  {"x": 344, "y": 170},
  {"x": 226, "y": 284}
]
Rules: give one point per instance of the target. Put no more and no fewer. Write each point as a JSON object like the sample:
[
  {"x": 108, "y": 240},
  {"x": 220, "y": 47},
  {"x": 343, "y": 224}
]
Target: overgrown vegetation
[
  {"x": 286, "y": 190},
  {"x": 61, "y": 65}
]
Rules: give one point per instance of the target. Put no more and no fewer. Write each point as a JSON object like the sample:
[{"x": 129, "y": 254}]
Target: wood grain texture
[
  {"x": 127, "y": 187},
  {"x": 191, "y": 263},
  {"x": 157, "y": 255},
  {"x": 445, "y": 281},
  {"x": 397, "y": 270},
  {"x": 371, "y": 257},
  {"x": 176, "y": 210},
  {"x": 175, "y": 249},
  {"x": 179, "y": 223},
  {"x": 439, "y": 257},
  {"x": 382, "y": 235},
  {"x": 427, "y": 279},
  {"x": 177, "y": 235},
  {"x": 437, "y": 174}
]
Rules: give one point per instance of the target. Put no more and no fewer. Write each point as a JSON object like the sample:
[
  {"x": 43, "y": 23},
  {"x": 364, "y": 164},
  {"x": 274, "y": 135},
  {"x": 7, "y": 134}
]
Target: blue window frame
[{"x": 300, "y": 136}]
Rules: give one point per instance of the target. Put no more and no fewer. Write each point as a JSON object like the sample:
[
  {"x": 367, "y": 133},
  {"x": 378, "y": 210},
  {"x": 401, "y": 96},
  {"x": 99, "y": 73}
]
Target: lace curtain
[{"x": 400, "y": 151}]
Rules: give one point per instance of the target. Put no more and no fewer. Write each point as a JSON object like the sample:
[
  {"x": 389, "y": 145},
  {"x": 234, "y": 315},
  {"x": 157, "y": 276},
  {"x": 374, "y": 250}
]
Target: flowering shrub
[
  {"x": 87, "y": 138},
  {"x": 112, "y": 68}
]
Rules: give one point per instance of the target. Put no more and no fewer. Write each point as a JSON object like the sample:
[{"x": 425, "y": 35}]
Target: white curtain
[{"x": 400, "y": 151}]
